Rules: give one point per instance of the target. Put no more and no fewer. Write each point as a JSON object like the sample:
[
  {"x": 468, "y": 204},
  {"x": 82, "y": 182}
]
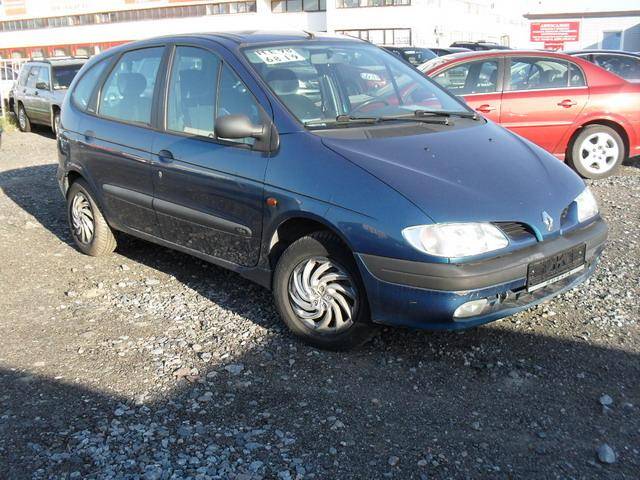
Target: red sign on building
[{"x": 555, "y": 32}]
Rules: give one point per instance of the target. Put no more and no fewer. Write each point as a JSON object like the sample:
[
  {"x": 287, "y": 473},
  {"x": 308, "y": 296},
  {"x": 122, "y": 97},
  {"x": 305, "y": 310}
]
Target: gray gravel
[{"x": 150, "y": 364}]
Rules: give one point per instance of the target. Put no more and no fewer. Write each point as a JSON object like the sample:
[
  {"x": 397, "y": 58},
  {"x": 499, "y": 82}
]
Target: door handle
[
  {"x": 165, "y": 156},
  {"x": 486, "y": 108},
  {"x": 88, "y": 135},
  {"x": 566, "y": 103}
]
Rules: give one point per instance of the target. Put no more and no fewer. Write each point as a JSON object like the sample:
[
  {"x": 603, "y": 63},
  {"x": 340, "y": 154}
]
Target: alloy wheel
[
  {"x": 82, "y": 220},
  {"x": 599, "y": 153},
  {"x": 322, "y": 295}
]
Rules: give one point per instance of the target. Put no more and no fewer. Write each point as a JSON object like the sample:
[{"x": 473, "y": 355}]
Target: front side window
[
  {"x": 469, "y": 78},
  {"x": 81, "y": 95},
  {"x": 624, "y": 66},
  {"x": 529, "y": 73},
  {"x": 320, "y": 82},
  {"x": 43, "y": 78},
  {"x": 127, "y": 93},
  {"x": 32, "y": 79},
  {"x": 63, "y": 76},
  {"x": 192, "y": 92}
]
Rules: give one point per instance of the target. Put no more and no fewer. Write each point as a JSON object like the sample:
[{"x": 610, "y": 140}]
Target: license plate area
[{"x": 556, "y": 267}]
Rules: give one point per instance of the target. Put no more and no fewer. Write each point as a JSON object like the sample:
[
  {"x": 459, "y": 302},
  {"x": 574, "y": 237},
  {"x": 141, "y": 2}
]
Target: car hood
[{"x": 478, "y": 173}]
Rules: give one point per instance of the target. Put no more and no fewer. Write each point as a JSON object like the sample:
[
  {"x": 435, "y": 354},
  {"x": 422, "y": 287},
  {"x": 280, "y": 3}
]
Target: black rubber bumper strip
[{"x": 485, "y": 273}]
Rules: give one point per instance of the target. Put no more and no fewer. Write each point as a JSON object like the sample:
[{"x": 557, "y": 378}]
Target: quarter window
[
  {"x": 624, "y": 66},
  {"x": 470, "y": 78},
  {"x": 235, "y": 98},
  {"x": 192, "y": 92},
  {"x": 540, "y": 73},
  {"x": 81, "y": 96},
  {"x": 127, "y": 94}
]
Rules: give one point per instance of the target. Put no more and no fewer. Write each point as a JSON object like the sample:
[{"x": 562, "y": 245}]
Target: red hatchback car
[{"x": 568, "y": 106}]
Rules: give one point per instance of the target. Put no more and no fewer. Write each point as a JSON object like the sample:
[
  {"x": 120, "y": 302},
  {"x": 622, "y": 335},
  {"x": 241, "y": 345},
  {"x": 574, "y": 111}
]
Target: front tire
[
  {"x": 319, "y": 294},
  {"x": 23, "y": 120},
  {"x": 90, "y": 231},
  {"x": 56, "y": 123},
  {"x": 597, "y": 152}
]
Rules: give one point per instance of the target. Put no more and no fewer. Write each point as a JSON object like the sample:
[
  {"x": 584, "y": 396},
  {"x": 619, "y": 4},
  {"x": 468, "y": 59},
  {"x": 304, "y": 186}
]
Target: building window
[
  {"x": 371, "y": 3},
  {"x": 284, "y": 6},
  {"x": 382, "y": 36},
  {"x": 138, "y": 15}
]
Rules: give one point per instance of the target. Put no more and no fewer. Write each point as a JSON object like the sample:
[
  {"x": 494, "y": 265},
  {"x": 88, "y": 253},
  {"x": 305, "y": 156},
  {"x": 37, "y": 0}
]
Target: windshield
[
  {"x": 63, "y": 76},
  {"x": 416, "y": 56},
  {"x": 321, "y": 82}
]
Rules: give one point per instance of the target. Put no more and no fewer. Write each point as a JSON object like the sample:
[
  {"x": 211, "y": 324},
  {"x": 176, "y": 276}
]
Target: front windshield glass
[
  {"x": 63, "y": 76},
  {"x": 320, "y": 82}
]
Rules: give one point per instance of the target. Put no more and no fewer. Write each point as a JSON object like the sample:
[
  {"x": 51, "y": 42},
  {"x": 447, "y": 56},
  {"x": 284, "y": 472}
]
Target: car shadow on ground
[
  {"x": 633, "y": 162},
  {"x": 493, "y": 397},
  {"x": 525, "y": 403}
]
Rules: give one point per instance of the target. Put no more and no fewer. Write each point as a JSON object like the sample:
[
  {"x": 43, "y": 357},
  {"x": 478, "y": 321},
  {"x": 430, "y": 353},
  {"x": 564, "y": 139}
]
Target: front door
[
  {"x": 542, "y": 98},
  {"x": 478, "y": 82},
  {"x": 208, "y": 191}
]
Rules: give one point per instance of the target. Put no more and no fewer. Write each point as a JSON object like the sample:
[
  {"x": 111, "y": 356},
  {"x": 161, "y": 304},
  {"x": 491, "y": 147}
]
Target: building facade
[
  {"x": 586, "y": 24},
  {"x": 36, "y": 28}
]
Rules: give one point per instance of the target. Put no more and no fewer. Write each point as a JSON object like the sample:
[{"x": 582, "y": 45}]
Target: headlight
[
  {"x": 455, "y": 240},
  {"x": 587, "y": 205}
]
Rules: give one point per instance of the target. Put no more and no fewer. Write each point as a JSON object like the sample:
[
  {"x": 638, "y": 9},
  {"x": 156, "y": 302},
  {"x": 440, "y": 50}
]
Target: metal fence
[{"x": 9, "y": 71}]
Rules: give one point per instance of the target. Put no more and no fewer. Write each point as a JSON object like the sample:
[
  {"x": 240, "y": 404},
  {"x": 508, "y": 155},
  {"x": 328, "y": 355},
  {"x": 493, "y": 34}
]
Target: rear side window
[
  {"x": 81, "y": 96},
  {"x": 469, "y": 78},
  {"x": 127, "y": 93},
  {"x": 529, "y": 73},
  {"x": 192, "y": 92}
]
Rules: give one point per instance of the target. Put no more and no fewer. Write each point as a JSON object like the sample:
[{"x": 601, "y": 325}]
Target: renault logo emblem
[{"x": 547, "y": 220}]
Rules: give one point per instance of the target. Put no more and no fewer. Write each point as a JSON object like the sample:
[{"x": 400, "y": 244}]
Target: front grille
[{"x": 516, "y": 231}]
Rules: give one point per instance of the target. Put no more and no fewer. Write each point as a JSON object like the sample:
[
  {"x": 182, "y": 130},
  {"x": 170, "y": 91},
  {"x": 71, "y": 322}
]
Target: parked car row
[
  {"x": 572, "y": 108},
  {"x": 36, "y": 97},
  {"x": 333, "y": 173}
]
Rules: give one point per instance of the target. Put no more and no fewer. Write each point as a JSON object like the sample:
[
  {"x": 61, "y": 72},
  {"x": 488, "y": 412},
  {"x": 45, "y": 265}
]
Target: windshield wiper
[
  {"x": 446, "y": 113},
  {"x": 342, "y": 120}
]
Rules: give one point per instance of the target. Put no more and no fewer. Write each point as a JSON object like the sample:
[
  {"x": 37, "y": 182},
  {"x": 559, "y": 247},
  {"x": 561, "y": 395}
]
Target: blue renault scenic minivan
[{"x": 325, "y": 169}]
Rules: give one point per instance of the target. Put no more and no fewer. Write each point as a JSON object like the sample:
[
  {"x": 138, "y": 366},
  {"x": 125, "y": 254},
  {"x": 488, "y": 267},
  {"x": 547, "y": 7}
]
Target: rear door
[
  {"x": 208, "y": 191},
  {"x": 28, "y": 92},
  {"x": 542, "y": 98},
  {"x": 116, "y": 140},
  {"x": 478, "y": 82}
]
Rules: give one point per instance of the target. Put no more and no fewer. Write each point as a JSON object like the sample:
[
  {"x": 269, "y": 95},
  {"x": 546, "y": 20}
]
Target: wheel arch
[
  {"x": 290, "y": 229},
  {"x": 619, "y": 129}
]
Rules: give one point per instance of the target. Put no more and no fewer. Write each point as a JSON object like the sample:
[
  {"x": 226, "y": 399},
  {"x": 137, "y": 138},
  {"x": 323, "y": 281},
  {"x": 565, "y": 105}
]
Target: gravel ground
[{"x": 150, "y": 364}]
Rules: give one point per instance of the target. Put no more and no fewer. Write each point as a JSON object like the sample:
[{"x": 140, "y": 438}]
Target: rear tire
[
  {"x": 90, "y": 231},
  {"x": 24, "y": 124},
  {"x": 597, "y": 152},
  {"x": 319, "y": 294}
]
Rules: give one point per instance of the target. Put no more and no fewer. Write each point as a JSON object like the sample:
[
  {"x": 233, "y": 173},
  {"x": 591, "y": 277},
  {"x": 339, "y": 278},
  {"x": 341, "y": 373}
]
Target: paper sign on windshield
[{"x": 279, "y": 55}]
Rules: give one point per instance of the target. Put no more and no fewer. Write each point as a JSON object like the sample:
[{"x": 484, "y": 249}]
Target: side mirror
[
  {"x": 240, "y": 126},
  {"x": 42, "y": 86}
]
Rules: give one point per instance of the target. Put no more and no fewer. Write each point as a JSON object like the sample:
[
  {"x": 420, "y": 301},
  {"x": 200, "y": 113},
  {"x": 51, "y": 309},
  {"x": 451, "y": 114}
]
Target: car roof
[
  {"x": 60, "y": 62},
  {"x": 500, "y": 53},
  {"x": 255, "y": 37},
  {"x": 607, "y": 52}
]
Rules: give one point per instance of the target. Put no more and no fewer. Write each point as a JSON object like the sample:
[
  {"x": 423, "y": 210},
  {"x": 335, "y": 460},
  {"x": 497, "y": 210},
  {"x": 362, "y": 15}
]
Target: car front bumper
[{"x": 426, "y": 295}]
